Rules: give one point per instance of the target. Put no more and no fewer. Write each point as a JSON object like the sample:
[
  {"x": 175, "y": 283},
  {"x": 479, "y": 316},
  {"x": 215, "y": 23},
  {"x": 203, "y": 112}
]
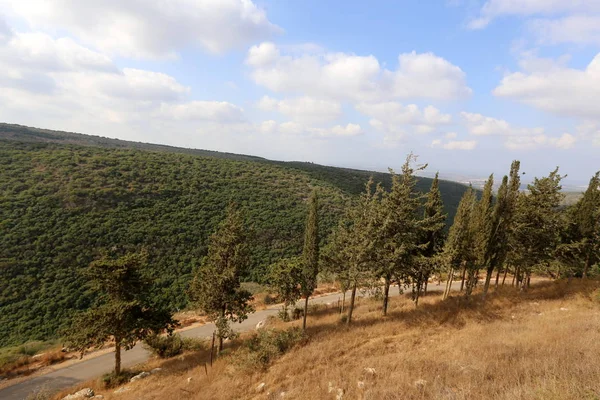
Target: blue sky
[{"x": 467, "y": 85}]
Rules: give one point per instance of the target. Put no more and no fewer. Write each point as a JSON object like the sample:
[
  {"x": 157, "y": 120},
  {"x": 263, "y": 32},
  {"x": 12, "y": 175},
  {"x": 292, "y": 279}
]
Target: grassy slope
[
  {"x": 537, "y": 345},
  {"x": 64, "y": 197}
]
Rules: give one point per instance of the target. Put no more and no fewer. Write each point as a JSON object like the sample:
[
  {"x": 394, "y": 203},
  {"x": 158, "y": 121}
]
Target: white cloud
[
  {"x": 451, "y": 135},
  {"x": 349, "y": 77},
  {"x": 303, "y": 109},
  {"x": 515, "y": 138},
  {"x": 590, "y": 130},
  {"x": 581, "y": 29},
  {"x": 556, "y": 88},
  {"x": 5, "y": 31},
  {"x": 498, "y": 8},
  {"x": 217, "y": 111},
  {"x": 565, "y": 141},
  {"x": 455, "y": 144},
  {"x": 296, "y": 128},
  {"x": 149, "y": 28},
  {"x": 394, "y": 117}
]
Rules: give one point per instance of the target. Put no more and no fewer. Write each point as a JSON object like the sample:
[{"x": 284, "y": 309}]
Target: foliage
[
  {"x": 267, "y": 345},
  {"x": 167, "y": 346},
  {"x": 125, "y": 312},
  {"x": 310, "y": 254},
  {"x": 284, "y": 277},
  {"x": 216, "y": 288},
  {"x": 66, "y": 198}
]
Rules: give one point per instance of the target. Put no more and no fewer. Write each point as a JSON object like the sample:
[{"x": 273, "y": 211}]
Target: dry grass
[{"x": 544, "y": 344}]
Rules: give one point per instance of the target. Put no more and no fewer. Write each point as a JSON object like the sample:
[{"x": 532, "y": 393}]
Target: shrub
[
  {"x": 172, "y": 345},
  {"x": 266, "y": 345},
  {"x": 165, "y": 346},
  {"x": 297, "y": 313},
  {"x": 111, "y": 380},
  {"x": 283, "y": 315}
]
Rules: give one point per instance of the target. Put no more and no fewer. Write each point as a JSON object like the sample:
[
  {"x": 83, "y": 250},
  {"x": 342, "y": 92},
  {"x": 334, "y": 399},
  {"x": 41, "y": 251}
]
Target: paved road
[{"x": 96, "y": 366}]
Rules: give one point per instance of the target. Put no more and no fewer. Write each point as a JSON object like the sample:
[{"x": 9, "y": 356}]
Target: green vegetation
[
  {"x": 126, "y": 311},
  {"x": 66, "y": 198}
]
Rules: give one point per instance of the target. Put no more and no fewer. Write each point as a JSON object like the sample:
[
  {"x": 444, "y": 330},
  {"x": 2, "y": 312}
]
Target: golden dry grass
[{"x": 544, "y": 344}]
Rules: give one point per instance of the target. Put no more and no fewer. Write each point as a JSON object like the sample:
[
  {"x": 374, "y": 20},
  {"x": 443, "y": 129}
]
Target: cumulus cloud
[
  {"x": 216, "y": 111},
  {"x": 554, "y": 87},
  {"x": 515, "y": 138},
  {"x": 296, "y": 128},
  {"x": 582, "y": 29},
  {"x": 150, "y": 28},
  {"x": 393, "y": 116},
  {"x": 492, "y": 9},
  {"x": 45, "y": 80},
  {"x": 350, "y": 77},
  {"x": 565, "y": 141},
  {"x": 455, "y": 144},
  {"x": 303, "y": 109}
]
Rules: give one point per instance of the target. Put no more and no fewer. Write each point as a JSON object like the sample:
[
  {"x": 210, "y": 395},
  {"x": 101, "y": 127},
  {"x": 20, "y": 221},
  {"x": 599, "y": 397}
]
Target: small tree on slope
[
  {"x": 215, "y": 289},
  {"x": 125, "y": 312},
  {"x": 310, "y": 254}
]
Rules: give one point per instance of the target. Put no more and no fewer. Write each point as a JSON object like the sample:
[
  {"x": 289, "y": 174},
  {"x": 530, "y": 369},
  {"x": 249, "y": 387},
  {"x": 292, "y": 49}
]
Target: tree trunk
[
  {"x": 305, "y": 312},
  {"x": 528, "y": 279},
  {"x": 386, "y": 294},
  {"x": 425, "y": 287},
  {"x": 586, "y": 267},
  {"x": 497, "y": 279},
  {"x": 448, "y": 284},
  {"x": 514, "y": 280},
  {"x": 464, "y": 274},
  {"x": 117, "y": 357},
  {"x": 488, "y": 279},
  {"x": 343, "y": 301},
  {"x": 505, "y": 273},
  {"x": 351, "y": 307}
]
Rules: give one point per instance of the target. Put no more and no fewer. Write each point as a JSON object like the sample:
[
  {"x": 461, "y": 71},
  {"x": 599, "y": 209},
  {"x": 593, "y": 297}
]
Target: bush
[
  {"x": 165, "y": 346},
  {"x": 111, "y": 380},
  {"x": 270, "y": 299},
  {"x": 283, "y": 315},
  {"x": 172, "y": 345},
  {"x": 297, "y": 313},
  {"x": 266, "y": 345}
]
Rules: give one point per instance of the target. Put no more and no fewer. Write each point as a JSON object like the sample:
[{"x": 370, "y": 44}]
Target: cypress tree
[
  {"x": 433, "y": 230},
  {"x": 216, "y": 289},
  {"x": 483, "y": 226},
  {"x": 460, "y": 246},
  {"x": 587, "y": 219},
  {"x": 310, "y": 253},
  {"x": 538, "y": 224}
]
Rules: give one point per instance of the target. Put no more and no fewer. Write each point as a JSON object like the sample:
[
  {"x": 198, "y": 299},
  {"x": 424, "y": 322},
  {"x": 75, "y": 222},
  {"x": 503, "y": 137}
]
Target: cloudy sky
[{"x": 467, "y": 85}]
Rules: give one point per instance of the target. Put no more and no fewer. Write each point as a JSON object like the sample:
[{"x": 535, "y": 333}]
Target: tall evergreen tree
[
  {"x": 350, "y": 252},
  {"x": 434, "y": 233},
  {"x": 587, "y": 220},
  {"x": 310, "y": 253},
  {"x": 285, "y": 277},
  {"x": 460, "y": 245},
  {"x": 216, "y": 289},
  {"x": 538, "y": 223},
  {"x": 125, "y": 313},
  {"x": 402, "y": 229}
]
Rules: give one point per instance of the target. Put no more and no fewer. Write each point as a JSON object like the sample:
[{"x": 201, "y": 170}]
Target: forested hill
[{"x": 66, "y": 197}]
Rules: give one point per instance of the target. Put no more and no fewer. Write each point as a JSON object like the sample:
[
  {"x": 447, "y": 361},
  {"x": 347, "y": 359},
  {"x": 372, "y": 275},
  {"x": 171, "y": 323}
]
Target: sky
[{"x": 466, "y": 85}]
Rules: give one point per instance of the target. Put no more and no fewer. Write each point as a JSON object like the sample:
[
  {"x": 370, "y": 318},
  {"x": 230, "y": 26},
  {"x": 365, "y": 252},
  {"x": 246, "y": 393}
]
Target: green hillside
[{"x": 66, "y": 197}]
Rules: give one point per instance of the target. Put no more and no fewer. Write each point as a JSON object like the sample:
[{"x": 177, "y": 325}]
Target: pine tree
[
  {"x": 460, "y": 246},
  {"x": 285, "y": 277},
  {"x": 350, "y": 252},
  {"x": 587, "y": 220},
  {"x": 310, "y": 253},
  {"x": 538, "y": 224},
  {"x": 434, "y": 233},
  {"x": 483, "y": 228},
  {"x": 215, "y": 289},
  {"x": 401, "y": 231},
  {"x": 125, "y": 313}
]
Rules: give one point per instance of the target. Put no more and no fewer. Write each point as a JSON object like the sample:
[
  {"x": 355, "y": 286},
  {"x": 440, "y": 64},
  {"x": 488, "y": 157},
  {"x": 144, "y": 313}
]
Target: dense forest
[{"x": 65, "y": 199}]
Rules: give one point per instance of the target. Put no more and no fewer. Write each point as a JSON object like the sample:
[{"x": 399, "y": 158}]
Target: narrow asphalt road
[{"x": 93, "y": 367}]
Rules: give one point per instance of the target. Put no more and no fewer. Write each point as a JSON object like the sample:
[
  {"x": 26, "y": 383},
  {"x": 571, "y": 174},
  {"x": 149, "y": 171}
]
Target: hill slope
[{"x": 65, "y": 197}]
